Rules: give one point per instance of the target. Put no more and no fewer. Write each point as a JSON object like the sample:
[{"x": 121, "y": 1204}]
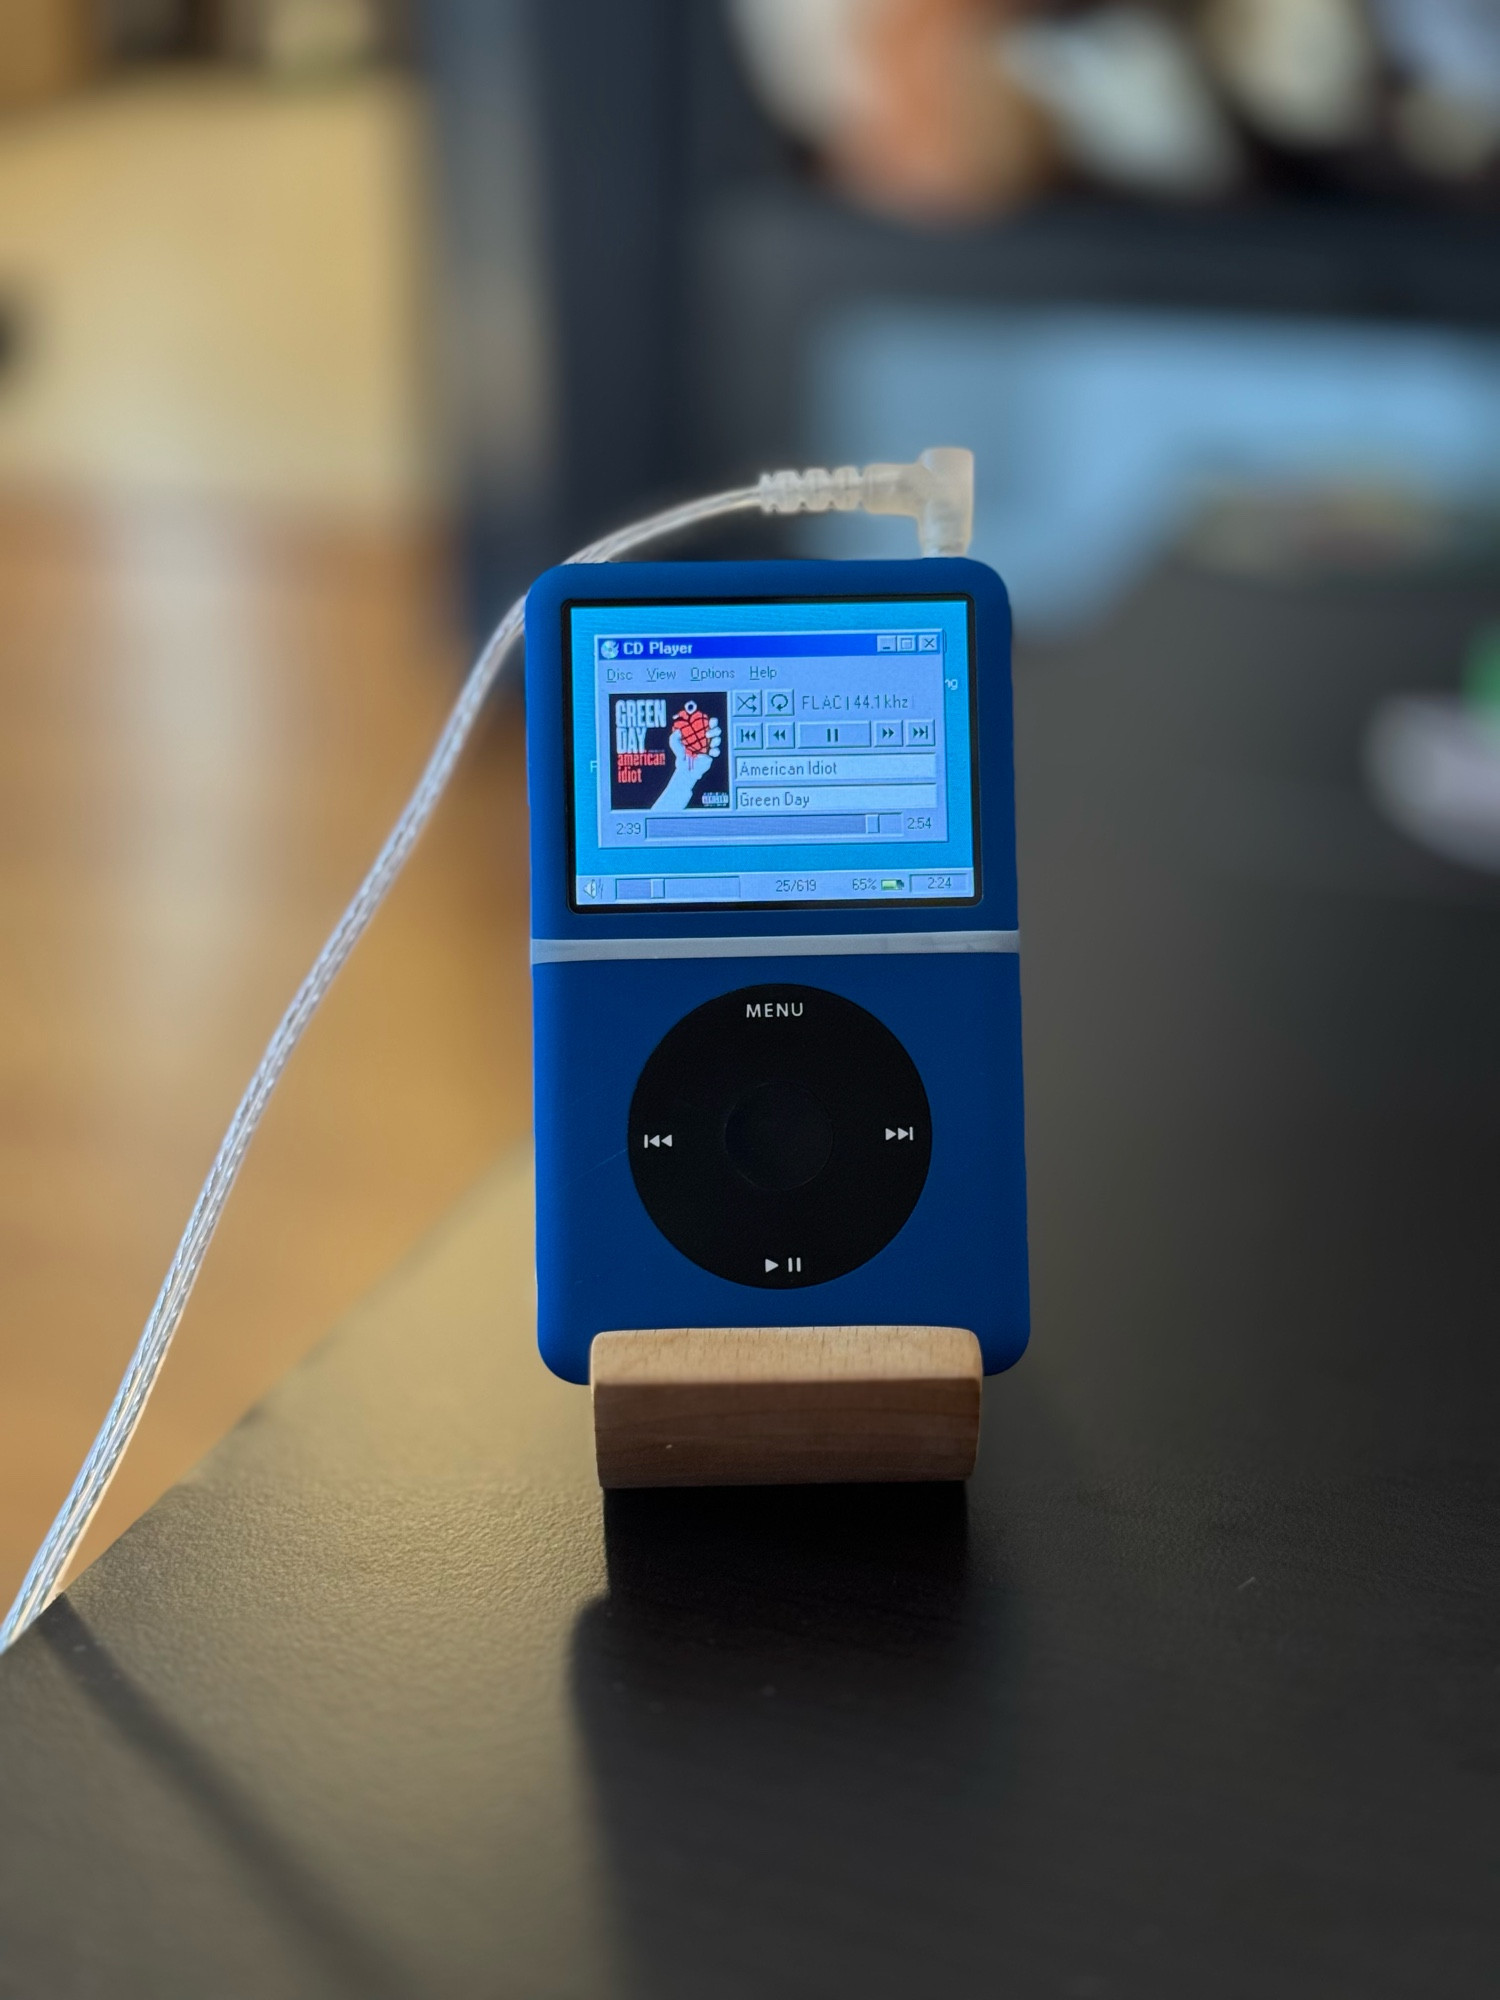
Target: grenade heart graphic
[{"x": 691, "y": 724}]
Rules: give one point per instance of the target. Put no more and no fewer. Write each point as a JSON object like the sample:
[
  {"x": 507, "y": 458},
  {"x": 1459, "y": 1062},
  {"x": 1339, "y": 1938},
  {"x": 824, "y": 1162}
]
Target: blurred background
[{"x": 325, "y": 323}]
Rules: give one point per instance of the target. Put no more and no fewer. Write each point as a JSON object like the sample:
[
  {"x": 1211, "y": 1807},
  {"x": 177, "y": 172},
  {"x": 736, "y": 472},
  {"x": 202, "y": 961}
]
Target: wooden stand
[{"x": 785, "y": 1406}]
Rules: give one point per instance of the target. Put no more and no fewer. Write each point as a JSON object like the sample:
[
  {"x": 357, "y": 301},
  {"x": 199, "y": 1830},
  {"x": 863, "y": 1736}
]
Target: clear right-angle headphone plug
[{"x": 936, "y": 491}]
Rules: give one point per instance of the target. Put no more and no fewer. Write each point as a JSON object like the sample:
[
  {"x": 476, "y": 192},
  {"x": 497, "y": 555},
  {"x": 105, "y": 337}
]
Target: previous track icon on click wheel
[{"x": 667, "y": 752}]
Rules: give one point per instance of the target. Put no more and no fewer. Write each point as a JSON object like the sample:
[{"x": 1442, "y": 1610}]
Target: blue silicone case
[{"x": 960, "y": 1259}]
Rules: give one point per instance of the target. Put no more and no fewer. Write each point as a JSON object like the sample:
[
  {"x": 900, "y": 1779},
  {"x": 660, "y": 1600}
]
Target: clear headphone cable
[
  {"x": 936, "y": 491},
  {"x": 44, "y": 1578}
]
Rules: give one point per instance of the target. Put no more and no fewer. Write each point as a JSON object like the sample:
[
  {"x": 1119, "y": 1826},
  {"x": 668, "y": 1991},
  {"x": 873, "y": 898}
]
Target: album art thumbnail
[{"x": 669, "y": 752}]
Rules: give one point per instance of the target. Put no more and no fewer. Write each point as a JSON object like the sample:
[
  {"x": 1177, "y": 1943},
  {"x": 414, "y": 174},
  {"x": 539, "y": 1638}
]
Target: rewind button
[{"x": 656, "y": 1138}]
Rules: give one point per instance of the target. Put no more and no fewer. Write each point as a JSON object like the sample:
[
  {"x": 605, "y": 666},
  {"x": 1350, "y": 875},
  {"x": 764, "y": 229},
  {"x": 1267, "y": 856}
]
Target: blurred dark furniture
[
  {"x": 608, "y": 154},
  {"x": 1192, "y": 1692}
]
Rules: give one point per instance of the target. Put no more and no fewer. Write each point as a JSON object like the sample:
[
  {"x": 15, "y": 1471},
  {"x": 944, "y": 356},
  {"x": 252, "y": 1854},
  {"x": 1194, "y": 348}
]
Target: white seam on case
[{"x": 838, "y": 944}]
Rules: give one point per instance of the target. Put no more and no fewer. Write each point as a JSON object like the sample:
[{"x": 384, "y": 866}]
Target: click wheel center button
[{"x": 778, "y": 1136}]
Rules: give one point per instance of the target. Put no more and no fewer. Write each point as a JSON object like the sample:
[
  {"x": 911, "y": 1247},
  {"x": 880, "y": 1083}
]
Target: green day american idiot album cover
[{"x": 669, "y": 752}]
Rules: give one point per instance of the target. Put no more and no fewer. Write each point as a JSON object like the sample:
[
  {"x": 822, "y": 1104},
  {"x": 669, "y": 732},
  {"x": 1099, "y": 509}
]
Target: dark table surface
[{"x": 1193, "y": 1691}]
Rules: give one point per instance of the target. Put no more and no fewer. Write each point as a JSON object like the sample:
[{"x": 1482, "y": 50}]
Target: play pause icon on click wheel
[{"x": 792, "y": 1264}]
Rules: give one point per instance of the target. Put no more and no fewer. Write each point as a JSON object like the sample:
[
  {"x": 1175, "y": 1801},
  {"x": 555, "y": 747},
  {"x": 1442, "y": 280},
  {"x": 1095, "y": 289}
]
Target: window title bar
[{"x": 766, "y": 645}]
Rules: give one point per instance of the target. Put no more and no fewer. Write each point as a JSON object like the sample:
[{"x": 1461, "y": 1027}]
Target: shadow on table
[
  {"x": 342, "y": 1955},
  {"x": 785, "y": 1698}
]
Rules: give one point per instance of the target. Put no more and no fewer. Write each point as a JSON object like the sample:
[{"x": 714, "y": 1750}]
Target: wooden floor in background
[{"x": 205, "y": 728}]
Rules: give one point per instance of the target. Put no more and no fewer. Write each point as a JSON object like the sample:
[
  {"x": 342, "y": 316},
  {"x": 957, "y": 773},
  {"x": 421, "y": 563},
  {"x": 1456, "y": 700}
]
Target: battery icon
[{"x": 893, "y": 882}]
